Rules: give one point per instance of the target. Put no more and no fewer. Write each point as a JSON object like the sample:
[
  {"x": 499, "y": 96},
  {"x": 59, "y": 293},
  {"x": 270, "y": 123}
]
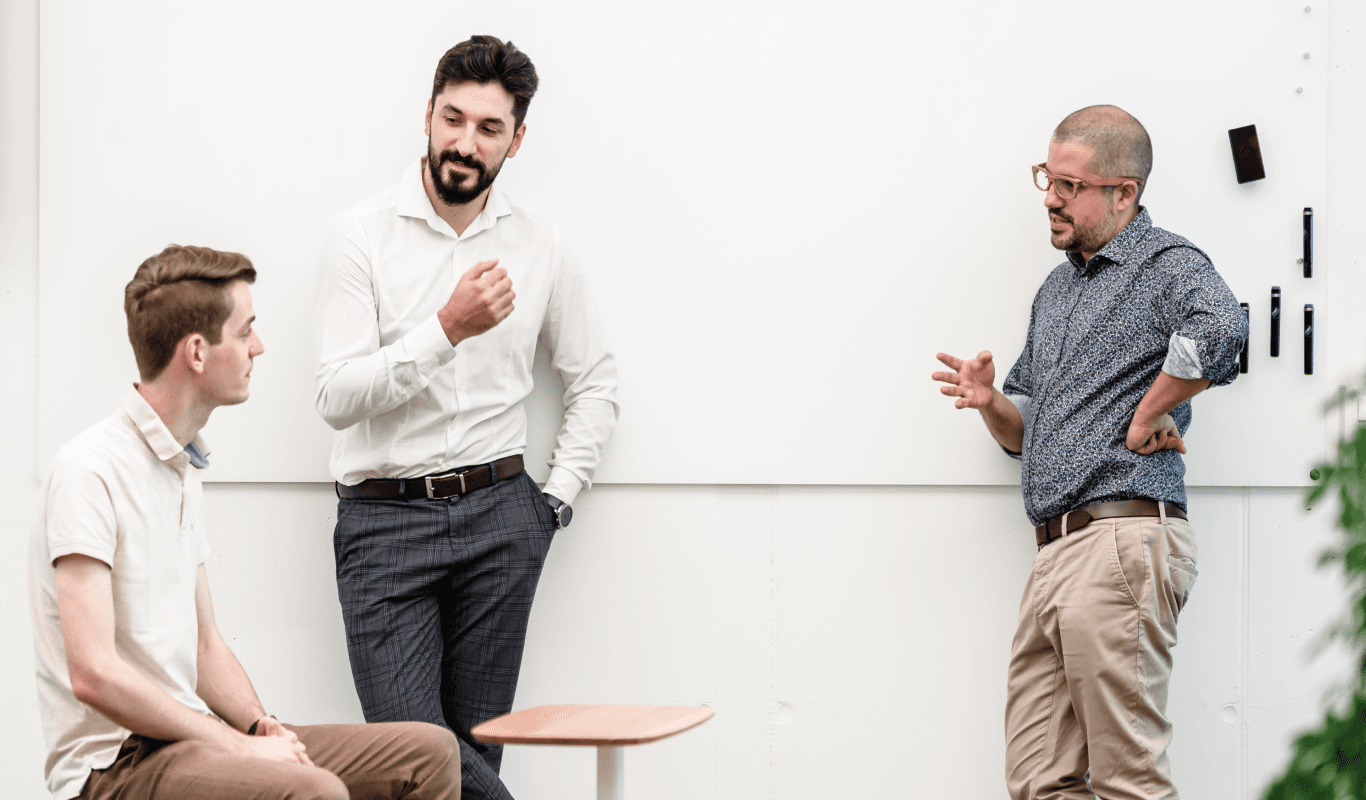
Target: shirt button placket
[{"x": 458, "y": 268}]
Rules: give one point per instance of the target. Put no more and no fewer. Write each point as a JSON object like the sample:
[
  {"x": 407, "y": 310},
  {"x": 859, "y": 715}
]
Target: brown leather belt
[
  {"x": 1079, "y": 518},
  {"x": 435, "y": 487}
]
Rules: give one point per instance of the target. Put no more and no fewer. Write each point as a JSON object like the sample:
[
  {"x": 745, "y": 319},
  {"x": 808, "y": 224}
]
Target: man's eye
[{"x": 491, "y": 131}]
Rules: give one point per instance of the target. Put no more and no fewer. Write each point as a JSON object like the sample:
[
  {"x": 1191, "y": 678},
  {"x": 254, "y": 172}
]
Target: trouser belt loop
[{"x": 1162, "y": 511}]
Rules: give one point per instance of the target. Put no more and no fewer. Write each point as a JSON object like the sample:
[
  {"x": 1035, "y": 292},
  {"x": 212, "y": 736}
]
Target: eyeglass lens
[{"x": 1065, "y": 188}]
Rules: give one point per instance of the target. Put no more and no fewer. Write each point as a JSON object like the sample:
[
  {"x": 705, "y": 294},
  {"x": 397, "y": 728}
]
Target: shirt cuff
[
  {"x": 563, "y": 484},
  {"x": 427, "y": 346},
  {"x": 99, "y": 552},
  {"x": 1183, "y": 359}
]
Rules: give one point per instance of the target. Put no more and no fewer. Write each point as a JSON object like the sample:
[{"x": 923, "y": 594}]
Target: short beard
[
  {"x": 1089, "y": 240},
  {"x": 451, "y": 193}
]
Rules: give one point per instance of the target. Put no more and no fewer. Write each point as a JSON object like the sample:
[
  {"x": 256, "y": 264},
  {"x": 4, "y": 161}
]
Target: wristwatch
[{"x": 562, "y": 511}]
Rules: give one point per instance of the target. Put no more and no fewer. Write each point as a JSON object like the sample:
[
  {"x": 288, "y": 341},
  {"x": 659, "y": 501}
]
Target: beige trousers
[
  {"x": 1091, "y": 660},
  {"x": 382, "y": 761}
]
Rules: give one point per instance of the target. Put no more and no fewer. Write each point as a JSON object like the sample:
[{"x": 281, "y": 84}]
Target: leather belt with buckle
[
  {"x": 435, "y": 487},
  {"x": 1053, "y": 529}
]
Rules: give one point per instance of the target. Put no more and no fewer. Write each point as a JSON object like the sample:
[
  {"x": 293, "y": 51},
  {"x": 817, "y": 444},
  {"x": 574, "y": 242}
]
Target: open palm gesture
[{"x": 971, "y": 380}]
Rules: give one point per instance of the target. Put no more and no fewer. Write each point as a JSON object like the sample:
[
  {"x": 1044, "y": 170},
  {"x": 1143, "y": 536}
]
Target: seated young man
[{"x": 139, "y": 694}]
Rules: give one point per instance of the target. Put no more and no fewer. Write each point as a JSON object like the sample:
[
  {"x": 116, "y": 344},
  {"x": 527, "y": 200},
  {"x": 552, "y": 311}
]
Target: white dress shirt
[
  {"x": 405, "y": 402},
  {"x": 123, "y": 492}
]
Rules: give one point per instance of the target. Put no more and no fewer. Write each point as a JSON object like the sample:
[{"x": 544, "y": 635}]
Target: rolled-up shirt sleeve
[
  {"x": 356, "y": 377},
  {"x": 1206, "y": 326}
]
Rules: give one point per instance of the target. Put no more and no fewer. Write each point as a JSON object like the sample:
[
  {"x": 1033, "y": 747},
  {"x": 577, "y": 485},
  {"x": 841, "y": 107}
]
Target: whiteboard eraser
[{"x": 1247, "y": 154}]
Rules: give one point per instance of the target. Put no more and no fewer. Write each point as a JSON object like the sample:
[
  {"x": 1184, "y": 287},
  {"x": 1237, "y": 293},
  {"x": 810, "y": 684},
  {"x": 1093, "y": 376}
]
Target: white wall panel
[
  {"x": 762, "y": 231},
  {"x": 1207, "y": 675},
  {"x": 896, "y": 609},
  {"x": 21, "y": 744},
  {"x": 275, "y": 593},
  {"x": 1290, "y": 607}
]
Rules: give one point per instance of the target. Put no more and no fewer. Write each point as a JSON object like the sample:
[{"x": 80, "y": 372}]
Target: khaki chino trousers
[
  {"x": 383, "y": 761},
  {"x": 1091, "y": 661}
]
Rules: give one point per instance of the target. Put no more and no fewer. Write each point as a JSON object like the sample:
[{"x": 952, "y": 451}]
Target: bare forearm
[
  {"x": 1166, "y": 393},
  {"x": 225, "y": 687},
  {"x": 126, "y": 696},
  {"x": 1004, "y": 422}
]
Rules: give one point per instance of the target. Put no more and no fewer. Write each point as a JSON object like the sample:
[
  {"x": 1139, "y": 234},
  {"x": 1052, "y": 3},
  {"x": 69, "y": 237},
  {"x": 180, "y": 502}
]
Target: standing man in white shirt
[{"x": 424, "y": 364}]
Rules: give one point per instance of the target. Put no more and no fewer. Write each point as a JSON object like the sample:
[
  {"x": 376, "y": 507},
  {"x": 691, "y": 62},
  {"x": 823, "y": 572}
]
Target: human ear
[
  {"x": 516, "y": 140},
  {"x": 1128, "y": 193},
  {"x": 427, "y": 124},
  {"x": 194, "y": 351}
]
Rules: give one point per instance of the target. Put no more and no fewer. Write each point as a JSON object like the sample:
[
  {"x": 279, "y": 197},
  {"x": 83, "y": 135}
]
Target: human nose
[
  {"x": 257, "y": 348},
  {"x": 1051, "y": 198},
  {"x": 464, "y": 143}
]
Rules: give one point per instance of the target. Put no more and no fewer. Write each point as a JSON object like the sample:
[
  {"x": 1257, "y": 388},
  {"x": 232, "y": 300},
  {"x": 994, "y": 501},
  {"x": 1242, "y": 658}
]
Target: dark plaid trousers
[{"x": 435, "y": 595}]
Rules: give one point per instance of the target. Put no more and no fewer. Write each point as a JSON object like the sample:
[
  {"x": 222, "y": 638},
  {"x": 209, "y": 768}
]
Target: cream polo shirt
[
  {"x": 125, "y": 493},
  {"x": 405, "y": 402}
]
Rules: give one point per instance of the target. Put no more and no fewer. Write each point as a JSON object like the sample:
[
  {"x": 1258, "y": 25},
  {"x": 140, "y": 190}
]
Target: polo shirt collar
[
  {"x": 1118, "y": 250},
  {"x": 158, "y": 437},
  {"x": 413, "y": 202}
]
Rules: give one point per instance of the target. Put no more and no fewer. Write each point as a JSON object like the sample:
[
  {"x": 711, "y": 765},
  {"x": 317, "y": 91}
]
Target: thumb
[
  {"x": 984, "y": 356},
  {"x": 479, "y": 269}
]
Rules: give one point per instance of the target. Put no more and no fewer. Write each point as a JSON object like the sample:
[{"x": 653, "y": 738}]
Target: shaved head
[{"x": 1122, "y": 147}]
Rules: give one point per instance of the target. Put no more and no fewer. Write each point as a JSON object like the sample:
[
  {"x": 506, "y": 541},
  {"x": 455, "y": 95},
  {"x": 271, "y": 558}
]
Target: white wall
[
  {"x": 881, "y": 616},
  {"x": 761, "y": 230}
]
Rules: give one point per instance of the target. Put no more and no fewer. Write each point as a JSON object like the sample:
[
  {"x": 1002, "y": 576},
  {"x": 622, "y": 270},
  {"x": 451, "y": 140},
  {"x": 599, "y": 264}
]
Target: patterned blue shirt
[{"x": 1099, "y": 333}]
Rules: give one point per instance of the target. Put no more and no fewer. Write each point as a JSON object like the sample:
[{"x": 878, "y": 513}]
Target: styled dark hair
[
  {"x": 486, "y": 59},
  {"x": 177, "y": 292}
]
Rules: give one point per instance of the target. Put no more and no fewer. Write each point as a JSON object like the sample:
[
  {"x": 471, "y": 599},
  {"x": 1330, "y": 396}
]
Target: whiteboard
[{"x": 785, "y": 209}]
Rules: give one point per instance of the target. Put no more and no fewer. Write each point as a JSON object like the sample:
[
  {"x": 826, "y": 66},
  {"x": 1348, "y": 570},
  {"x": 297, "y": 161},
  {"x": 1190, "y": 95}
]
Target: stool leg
[{"x": 610, "y": 774}]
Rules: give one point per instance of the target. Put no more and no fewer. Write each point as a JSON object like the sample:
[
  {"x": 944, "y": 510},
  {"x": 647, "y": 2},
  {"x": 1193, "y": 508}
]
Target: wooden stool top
[{"x": 597, "y": 725}]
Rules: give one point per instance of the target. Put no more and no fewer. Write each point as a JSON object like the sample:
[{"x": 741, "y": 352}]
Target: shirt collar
[
  {"x": 158, "y": 437},
  {"x": 1119, "y": 249},
  {"x": 414, "y": 202}
]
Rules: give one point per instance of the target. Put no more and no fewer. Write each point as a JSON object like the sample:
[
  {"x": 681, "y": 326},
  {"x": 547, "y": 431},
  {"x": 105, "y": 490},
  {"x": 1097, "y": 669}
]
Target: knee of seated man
[
  {"x": 431, "y": 738},
  {"x": 317, "y": 784}
]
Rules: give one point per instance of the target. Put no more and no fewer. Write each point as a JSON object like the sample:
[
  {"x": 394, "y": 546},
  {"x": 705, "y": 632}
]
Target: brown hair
[
  {"x": 486, "y": 59},
  {"x": 1123, "y": 149},
  {"x": 177, "y": 292}
]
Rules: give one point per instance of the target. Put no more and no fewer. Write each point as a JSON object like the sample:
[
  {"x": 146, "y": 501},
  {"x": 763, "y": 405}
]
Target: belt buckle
[{"x": 431, "y": 488}]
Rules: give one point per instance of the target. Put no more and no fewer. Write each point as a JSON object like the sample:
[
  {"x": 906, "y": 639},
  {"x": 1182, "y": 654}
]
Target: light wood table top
[{"x": 595, "y": 725}]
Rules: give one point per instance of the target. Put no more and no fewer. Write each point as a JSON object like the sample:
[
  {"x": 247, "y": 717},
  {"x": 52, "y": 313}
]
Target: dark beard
[
  {"x": 1089, "y": 240},
  {"x": 451, "y": 193}
]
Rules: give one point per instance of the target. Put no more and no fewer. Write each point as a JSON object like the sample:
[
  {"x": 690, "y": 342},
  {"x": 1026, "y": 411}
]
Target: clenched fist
[{"x": 483, "y": 298}]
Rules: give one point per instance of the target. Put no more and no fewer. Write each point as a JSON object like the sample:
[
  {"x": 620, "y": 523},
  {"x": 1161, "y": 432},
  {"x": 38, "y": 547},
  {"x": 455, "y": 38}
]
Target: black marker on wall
[
  {"x": 1308, "y": 242},
  {"x": 1308, "y": 339},
  {"x": 1242, "y": 357},
  {"x": 1275, "y": 321}
]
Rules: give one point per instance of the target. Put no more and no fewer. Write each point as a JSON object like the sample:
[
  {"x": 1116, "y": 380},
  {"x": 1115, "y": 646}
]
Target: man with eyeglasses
[{"x": 1122, "y": 335}]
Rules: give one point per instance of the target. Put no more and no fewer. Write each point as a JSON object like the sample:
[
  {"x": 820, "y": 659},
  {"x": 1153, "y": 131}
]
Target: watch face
[{"x": 565, "y": 514}]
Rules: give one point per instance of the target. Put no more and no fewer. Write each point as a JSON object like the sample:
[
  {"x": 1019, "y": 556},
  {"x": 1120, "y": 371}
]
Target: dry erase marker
[
  {"x": 1242, "y": 356},
  {"x": 1308, "y": 339},
  {"x": 1308, "y": 242},
  {"x": 1275, "y": 321}
]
